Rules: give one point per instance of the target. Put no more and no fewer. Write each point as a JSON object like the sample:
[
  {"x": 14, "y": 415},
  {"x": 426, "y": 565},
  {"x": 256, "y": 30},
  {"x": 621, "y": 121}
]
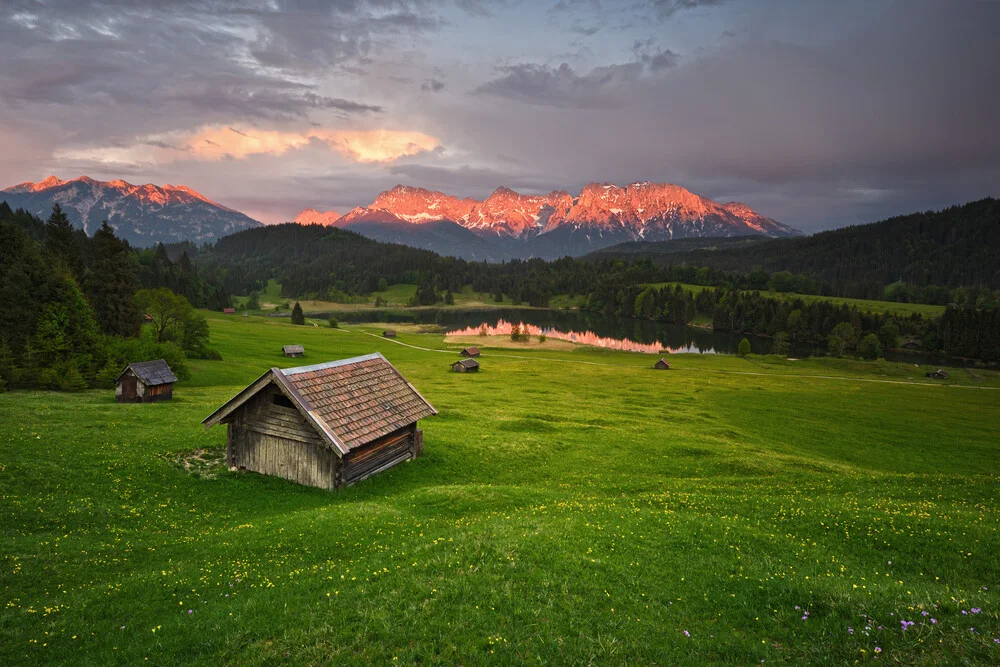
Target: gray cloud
[
  {"x": 432, "y": 85},
  {"x": 665, "y": 9},
  {"x": 562, "y": 86}
]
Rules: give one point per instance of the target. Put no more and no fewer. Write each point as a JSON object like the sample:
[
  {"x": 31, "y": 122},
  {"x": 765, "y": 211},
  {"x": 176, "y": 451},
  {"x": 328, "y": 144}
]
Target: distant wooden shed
[
  {"x": 470, "y": 352},
  {"x": 662, "y": 365},
  {"x": 937, "y": 375},
  {"x": 145, "y": 382},
  {"x": 911, "y": 345},
  {"x": 229, "y": 311},
  {"x": 328, "y": 425},
  {"x": 293, "y": 350},
  {"x": 465, "y": 366},
  {"x": 389, "y": 333}
]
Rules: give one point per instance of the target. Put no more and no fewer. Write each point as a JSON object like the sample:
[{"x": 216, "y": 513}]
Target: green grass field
[{"x": 572, "y": 506}]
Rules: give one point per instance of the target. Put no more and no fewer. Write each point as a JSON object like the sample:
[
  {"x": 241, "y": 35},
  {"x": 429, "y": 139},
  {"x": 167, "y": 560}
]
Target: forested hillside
[{"x": 958, "y": 246}]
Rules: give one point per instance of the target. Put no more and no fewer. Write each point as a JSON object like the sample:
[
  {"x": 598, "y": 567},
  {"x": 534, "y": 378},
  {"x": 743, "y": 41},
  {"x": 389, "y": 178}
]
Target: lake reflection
[{"x": 504, "y": 328}]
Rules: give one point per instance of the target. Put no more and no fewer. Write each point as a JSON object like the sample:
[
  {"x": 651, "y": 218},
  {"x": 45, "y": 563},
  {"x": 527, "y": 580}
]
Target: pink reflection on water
[{"x": 583, "y": 338}]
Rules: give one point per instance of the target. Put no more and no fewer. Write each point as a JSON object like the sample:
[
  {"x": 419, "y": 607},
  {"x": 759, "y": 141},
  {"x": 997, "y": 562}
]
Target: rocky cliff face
[
  {"x": 557, "y": 223},
  {"x": 311, "y": 216},
  {"x": 141, "y": 214}
]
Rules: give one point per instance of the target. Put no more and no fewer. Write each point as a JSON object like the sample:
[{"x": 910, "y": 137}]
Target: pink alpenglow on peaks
[{"x": 311, "y": 216}]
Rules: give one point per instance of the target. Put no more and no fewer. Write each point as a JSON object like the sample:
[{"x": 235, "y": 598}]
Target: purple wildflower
[
  {"x": 850, "y": 630},
  {"x": 976, "y": 610},
  {"x": 190, "y": 611},
  {"x": 878, "y": 649},
  {"x": 924, "y": 613},
  {"x": 687, "y": 634},
  {"x": 934, "y": 621}
]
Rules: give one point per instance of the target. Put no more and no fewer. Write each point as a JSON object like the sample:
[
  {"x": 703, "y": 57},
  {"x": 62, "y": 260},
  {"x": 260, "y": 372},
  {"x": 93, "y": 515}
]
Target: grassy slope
[{"x": 563, "y": 512}]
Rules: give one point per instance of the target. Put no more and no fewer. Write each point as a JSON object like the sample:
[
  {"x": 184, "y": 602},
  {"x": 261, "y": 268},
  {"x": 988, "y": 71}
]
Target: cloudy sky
[{"x": 816, "y": 113}]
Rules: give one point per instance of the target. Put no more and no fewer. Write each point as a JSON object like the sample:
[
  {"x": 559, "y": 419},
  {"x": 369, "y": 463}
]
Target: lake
[
  {"x": 573, "y": 325},
  {"x": 601, "y": 330}
]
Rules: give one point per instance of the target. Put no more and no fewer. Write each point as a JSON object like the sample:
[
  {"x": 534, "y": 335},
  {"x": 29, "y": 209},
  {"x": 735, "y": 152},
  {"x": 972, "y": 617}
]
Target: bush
[
  {"x": 332, "y": 321},
  {"x": 541, "y": 338},
  {"x": 780, "y": 344},
  {"x": 117, "y": 353},
  {"x": 869, "y": 347},
  {"x": 744, "y": 348}
]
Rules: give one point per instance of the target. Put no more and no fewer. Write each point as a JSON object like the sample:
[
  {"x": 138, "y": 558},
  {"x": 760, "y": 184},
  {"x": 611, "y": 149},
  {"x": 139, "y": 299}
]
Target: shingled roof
[
  {"x": 293, "y": 349},
  {"x": 351, "y": 402},
  {"x": 151, "y": 373}
]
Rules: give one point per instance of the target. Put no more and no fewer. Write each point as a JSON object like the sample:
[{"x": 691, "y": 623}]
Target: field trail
[{"x": 677, "y": 370}]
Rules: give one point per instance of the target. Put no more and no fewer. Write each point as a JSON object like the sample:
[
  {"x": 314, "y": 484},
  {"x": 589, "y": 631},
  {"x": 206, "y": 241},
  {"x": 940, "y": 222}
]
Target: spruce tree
[
  {"x": 109, "y": 285},
  {"x": 297, "y": 315},
  {"x": 61, "y": 245}
]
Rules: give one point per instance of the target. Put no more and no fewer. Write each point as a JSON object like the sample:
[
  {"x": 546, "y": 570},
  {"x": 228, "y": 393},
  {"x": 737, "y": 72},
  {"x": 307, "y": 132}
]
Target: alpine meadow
[{"x": 457, "y": 332}]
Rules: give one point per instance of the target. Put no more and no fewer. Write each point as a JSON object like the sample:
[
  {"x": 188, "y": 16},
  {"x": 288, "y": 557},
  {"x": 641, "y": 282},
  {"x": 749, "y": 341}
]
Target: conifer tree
[
  {"x": 297, "y": 315},
  {"x": 109, "y": 285},
  {"x": 60, "y": 243}
]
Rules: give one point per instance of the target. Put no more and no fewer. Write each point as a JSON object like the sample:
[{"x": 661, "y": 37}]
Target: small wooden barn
[
  {"x": 937, "y": 375},
  {"x": 465, "y": 366},
  {"x": 328, "y": 425},
  {"x": 470, "y": 352},
  {"x": 229, "y": 311},
  {"x": 389, "y": 333},
  {"x": 662, "y": 365},
  {"x": 911, "y": 345},
  {"x": 293, "y": 350},
  {"x": 145, "y": 382}
]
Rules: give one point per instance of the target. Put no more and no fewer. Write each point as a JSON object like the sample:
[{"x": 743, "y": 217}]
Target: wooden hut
[
  {"x": 145, "y": 382},
  {"x": 937, "y": 375},
  {"x": 470, "y": 352},
  {"x": 229, "y": 311},
  {"x": 662, "y": 365},
  {"x": 328, "y": 425},
  {"x": 465, "y": 366},
  {"x": 389, "y": 333},
  {"x": 911, "y": 345},
  {"x": 293, "y": 350}
]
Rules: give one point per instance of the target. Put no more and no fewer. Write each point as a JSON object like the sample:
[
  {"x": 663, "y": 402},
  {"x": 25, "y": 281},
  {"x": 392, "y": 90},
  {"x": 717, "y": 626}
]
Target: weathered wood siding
[
  {"x": 379, "y": 455},
  {"x": 130, "y": 389},
  {"x": 274, "y": 439}
]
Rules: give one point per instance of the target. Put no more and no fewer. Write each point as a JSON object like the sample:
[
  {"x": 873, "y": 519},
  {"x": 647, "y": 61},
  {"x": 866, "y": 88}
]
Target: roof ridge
[{"x": 329, "y": 364}]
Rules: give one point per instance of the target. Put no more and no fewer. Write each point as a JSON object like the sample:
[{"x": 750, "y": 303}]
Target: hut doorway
[{"x": 129, "y": 387}]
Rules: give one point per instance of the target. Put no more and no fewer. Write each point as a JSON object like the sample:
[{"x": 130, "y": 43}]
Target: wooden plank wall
[
  {"x": 276, "y": 440},
  {"x": 384, "y": 453}
]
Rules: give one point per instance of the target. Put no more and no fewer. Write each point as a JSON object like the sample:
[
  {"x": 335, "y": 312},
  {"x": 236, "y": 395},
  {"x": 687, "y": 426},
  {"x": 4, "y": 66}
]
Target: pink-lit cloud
[{"x": 211, "y": 143}]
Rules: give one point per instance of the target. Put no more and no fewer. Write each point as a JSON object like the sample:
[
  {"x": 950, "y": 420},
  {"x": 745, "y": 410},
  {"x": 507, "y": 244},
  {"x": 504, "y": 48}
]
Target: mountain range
[
  {"x": 509, "y": 224},
  {"x": 505, "y": 225},
  {"x": 143, "y": 215}
]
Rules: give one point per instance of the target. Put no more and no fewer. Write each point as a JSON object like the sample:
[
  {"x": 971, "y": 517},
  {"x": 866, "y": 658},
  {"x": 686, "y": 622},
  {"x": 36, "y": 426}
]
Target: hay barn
[
  {"x": 328, "y": 425},
  {"x": 470, "y": 352},
  {"x": 465, "y": 366},
  {"x": 145, "y": 382},
  {"x": 938, "y": 375},
  {"x": 389, "y": 333},
  {"x": 293, "y": 350},
  {"x": 662, "y": 365}
]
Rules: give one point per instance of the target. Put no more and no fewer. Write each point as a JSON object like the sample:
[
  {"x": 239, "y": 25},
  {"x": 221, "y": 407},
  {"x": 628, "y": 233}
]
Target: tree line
[{"x": 74, "y": 306}]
